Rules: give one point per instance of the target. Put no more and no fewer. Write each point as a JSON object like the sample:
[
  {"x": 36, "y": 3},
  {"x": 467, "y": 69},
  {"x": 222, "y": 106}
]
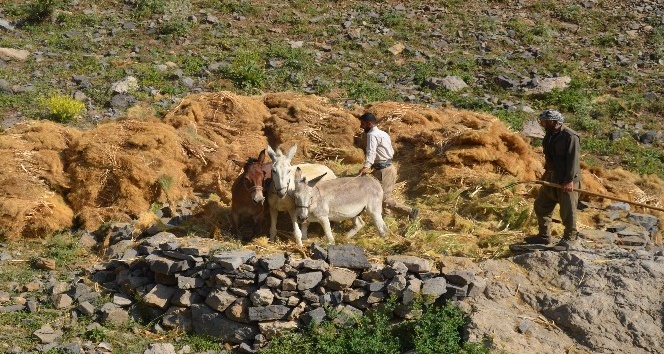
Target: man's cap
[
  {"x": 552, "y": 114},
  {"x": 368, "y": 117}
]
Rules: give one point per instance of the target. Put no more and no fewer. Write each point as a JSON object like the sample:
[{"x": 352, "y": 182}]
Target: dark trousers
[{"x": 546, "y": 201}]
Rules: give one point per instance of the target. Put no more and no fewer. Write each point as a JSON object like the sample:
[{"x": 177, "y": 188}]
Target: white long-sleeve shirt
[{"x": 379, "y": 147}]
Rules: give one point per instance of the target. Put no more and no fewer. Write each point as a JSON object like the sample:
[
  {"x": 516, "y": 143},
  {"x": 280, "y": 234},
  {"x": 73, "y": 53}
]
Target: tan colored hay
[
  {"x": 216, "y": 128},
  {"x": 321, "y": 130},
  {"x": 120, "y": 168},
  {"x": 31, "y": 176},
  {"x": 441, "y": 143}
]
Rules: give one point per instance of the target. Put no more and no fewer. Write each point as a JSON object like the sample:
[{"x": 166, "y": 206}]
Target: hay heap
[
  {"x": 33, "y": 180},
  {"x": 450, "y": 147},
  {"x": 321, "y": 130},
  {"x": 51, "y": 174},
  {"x": 120, "y": 168},
  {"x": 216, "y": 129}
]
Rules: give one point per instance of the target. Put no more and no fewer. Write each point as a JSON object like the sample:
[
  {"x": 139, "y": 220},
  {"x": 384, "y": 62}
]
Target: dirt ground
[{"x": 53, "y": 177}]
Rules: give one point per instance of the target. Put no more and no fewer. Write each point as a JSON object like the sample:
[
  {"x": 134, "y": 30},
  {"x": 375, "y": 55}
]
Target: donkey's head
[
  {"x": 304, "y": 194},
  {"x": 281, "y": 169},
  {"x": 253, "y": 178}
]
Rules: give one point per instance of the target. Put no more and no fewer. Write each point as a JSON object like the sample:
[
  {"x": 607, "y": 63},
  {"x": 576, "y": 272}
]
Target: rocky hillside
[
  {"x": 599, "y": 62},
  {"x": 124, "y": 200}
]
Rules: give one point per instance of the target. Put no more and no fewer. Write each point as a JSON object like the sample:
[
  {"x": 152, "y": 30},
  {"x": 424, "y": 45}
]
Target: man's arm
[
  {"x": 571, "y": 163},
  {"x": 370, "y": 154}
]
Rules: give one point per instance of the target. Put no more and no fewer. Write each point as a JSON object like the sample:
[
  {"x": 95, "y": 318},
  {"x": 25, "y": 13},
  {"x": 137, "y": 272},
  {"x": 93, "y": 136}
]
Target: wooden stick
[{"x": 545, "y": 183}]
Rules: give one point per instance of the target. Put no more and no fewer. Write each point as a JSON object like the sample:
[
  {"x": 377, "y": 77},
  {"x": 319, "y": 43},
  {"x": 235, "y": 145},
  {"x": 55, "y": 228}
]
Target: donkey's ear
[
  {"x": 298, "y": 175},
  {"x": 316, "y": 180},
  {"x": 292, "y": 151},
  {"x": 273, "y": 155},
  {"x": 239, "y": 164},
  {"x": 261, "y": 157}
]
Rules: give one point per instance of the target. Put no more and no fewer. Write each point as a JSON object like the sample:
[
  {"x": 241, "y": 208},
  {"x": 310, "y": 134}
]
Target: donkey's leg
[
  {"x": 258, "y": 222},
  {"x": 235, "y": 220},
  {"x": 304, "y": 228},
  {"x": 358, "y": 224},
  {"x": 296, "y": 228},
  {"x": 273, "y": 223},
  {"x": 325, "y": 223},
  {"x": 376, "y": 212}
]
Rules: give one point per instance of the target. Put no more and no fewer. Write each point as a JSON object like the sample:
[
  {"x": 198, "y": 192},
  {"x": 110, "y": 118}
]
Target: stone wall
[{"x": 245, "y": 299}]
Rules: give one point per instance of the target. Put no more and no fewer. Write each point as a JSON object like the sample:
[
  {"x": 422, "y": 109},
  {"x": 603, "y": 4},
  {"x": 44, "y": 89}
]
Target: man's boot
[
  {"x": 539, "y": 240},
  {"x": 568, "y": 243}
]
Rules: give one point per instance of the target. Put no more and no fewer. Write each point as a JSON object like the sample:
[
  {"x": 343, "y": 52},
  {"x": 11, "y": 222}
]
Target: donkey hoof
[{"x": 413, "y": 214}]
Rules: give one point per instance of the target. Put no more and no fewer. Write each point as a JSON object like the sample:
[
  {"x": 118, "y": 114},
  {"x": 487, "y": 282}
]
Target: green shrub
[
  {"x": 437, "y": 330},
  {"x": 151, "y": 76},
  {"x": 241, "y": 7},
  {"x": 96, "y": 334},
  {"x": 393, "y": 19},
  {"x": 655, "y": 107},
  {"x": 165, "y": 182},
  {"x": 606, "y": 39},
  {"x": 366, "y": 91},
  {"x": 146, "y": 8},
  {"x": 514, "y": 119},
  {"x": 636, "y": 157},
  {"x": 193, "y": 66},
  {"x": 202, "y": 343},
  {"x": 321, "y": 87},
  {"x": 423, "y": 71},
  {"x": 40, "y": 10},
  {"x": 575, "y": 98},
  {"x": 64, "y": 249},
  {"x": 656, "y": 39},
  {"x": 584, "y": 123},
  {"x": 177, "y": 27},
  {"x": 367, "y": 334},
  {"x": 246, "y": 71},
  {"x": 570, "y": 13},
  {"x": 530, "y": 34},
  {"x": 176, "y": 18},
  {"x": 63, "y": 109},
  {"x": 464, "y": 100},
  {"x": 293, "y": 58}
]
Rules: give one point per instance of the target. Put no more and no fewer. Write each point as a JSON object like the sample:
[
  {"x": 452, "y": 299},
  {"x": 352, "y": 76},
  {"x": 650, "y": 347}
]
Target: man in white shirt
[{"x": 378, "y": 156}]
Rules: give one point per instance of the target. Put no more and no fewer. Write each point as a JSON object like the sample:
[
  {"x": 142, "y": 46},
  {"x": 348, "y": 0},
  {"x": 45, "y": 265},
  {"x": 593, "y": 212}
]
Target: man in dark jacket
[{"x": 561, "y": 151}]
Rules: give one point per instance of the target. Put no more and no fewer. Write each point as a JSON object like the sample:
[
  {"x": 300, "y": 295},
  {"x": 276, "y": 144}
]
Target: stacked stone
[{"x": 245, "y": 300}]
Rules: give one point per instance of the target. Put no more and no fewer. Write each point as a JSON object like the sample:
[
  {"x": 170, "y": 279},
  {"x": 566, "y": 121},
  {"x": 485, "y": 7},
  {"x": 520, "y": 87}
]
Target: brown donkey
[{"x": 247, "y": 193}]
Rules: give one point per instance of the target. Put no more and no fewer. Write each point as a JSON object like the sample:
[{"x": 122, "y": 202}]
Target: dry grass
[{"x": 452, "y": 164}]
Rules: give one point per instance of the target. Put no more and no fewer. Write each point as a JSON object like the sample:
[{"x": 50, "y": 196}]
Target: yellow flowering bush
[{"x": 63, "y": 108}]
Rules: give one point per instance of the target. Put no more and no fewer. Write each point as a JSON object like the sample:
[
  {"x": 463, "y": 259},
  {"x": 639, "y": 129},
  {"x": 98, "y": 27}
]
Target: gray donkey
[
  {"x": 338, "y": 199},
  {"x": 280, "y": 196}
]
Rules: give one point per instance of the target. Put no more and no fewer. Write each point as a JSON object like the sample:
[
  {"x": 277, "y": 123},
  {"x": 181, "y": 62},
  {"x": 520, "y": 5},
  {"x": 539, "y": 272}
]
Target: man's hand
[
  {"x": 569, "y": 186},
  {"x": 364, "y": 171}
]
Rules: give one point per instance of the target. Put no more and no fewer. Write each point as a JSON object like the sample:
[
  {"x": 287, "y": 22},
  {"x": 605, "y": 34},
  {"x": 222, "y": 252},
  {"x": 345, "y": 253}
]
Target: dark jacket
[{"x": 561, "y": 151}]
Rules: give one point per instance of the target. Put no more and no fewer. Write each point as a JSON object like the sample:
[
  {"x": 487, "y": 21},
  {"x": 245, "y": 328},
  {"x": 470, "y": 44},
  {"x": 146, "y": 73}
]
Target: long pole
[{"x": 545, "y": 183}]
